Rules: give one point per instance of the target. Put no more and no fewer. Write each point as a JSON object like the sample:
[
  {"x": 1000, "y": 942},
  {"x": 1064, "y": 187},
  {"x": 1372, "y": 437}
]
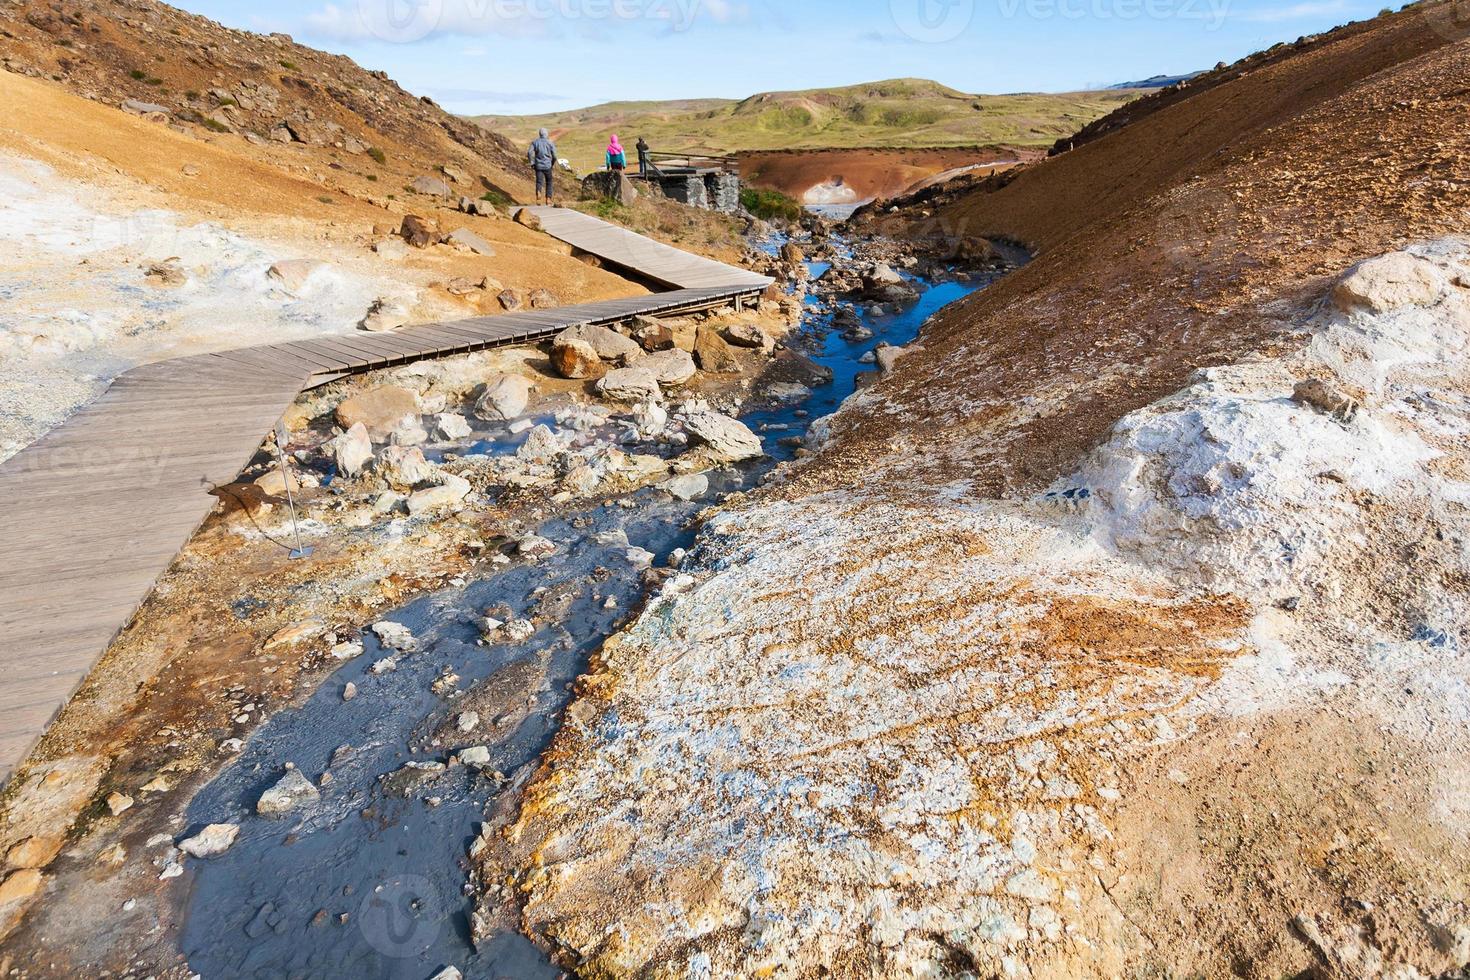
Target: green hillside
[{"x": 903, "y": 112}]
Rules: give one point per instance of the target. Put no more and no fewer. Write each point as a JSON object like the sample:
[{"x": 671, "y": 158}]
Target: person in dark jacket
[
  {"x": 542, "y": 156},
  {"x": 642, "y": 148}
]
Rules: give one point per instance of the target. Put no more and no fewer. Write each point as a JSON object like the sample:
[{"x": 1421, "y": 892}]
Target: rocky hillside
[
  {"x": 155, "y": 59},
  {"x": 1120, "y": 629},
  {"x": 899, "y": 113}
]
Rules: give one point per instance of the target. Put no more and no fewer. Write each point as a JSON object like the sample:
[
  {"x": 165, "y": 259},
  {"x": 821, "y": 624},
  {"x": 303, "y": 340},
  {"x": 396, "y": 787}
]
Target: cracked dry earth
[{"x": 1197, "y": 708}]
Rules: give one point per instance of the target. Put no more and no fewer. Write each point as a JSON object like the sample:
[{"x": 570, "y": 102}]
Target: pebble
[
  {"x": 213, "y": 839},
  {"x": 292, "y": 789},
  {"x": 349, "y": 691}
]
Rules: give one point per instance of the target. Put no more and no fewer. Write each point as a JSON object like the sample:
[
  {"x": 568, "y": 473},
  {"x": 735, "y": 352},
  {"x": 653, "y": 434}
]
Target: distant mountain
[
  {"x": 1157, "y": 81},
  {"x": 902, "y": 112}
]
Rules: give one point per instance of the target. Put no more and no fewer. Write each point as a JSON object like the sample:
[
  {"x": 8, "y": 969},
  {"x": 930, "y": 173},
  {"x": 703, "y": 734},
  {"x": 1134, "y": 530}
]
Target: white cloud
[{"x": 408, "y": 21}]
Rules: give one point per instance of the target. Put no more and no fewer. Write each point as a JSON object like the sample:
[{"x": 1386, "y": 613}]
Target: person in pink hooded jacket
[{"x": 616, "y": 158}]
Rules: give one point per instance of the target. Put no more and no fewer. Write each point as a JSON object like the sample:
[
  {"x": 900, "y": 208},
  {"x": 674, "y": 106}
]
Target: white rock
[
  {"x": 634, "y": 384},
  {"x": 639, "y": 558},
  {"x": 670, "y": 367},
  {"x": 294, "y": 273},
  {"x": 608, "y": 344},
  {"x": 1388, "y": 282},
  {"x": 351, "y": 450},
  {"x": 451, "y": 490},
  {"x": 212, "y": 840},
  {"x": 477, "y": 755},
  {"x": 405, "y": 468},
  {"x": 687, "y": 487},
  {"x": 395, "y": 636},
  {"x": 503, "y": 398},
  {"x": 729, "y": 439},
  {"x": 468, "y": 721},
  {"x": 292, "y": 789},
  {"x": 451, "y": 427}
]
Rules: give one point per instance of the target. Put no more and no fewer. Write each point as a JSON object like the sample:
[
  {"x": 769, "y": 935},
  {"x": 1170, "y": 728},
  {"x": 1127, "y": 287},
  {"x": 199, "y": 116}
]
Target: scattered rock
[
  {"x": 351, "y": 450},
  {"x": 451, "y": 491},
  {"x": 1388, "y": 283},
  {"x": 148, "y": 110},
  {"x": 635, "y": 384},
  {"x": 510, "y": 300},
  {"x": 464, "y": 238},
  {"x": 747, "y": 335},
  {"x": 728, "y": 439},
  {"x": 792, "y": 253},
  {"x": 670, "y": 367},
  {"x": 477, "y": 756},
  {"x": 606, "y": 343},
  {"x": 404, "y": 781},
  {"x": 190, "y": 170},
  {"x": 688, "y": 487},
  {"x": 712, "y": 353},
  {"x": 213, "y": 839},
  {"x": 451, "y": 427},
  {"x": 384, "y": 314},
  {"x": 525, "y": 217},
  {"x": 294, "y": 273},
  {"x": 652, "y": 335},
  {"x": 404, "y": 467},
  {"x": 349, "y": 691},
  {"x": 379, "y": 410},
  {"x": 296, "y": 633},
  {"x": 534, "y": 546},
  {"x": 290, "y": 791},
  {"x": 409, "y": 432},
  {"x": 118, "y": 802},
  {"x": 454, "y": 174},
  {"x": 639, "y": 557},
  {"x": 503, "y": 398},
  {"x": 395, "y": 636},
  {"x": 541, "y": 446},
  {"x": 1329, "y": 397},
  {"x": 418, "y": 231},
  {"x": 575, "y": 359},
  {"x": 432, "y": 186},
  {"x": 544, "y": 299}
]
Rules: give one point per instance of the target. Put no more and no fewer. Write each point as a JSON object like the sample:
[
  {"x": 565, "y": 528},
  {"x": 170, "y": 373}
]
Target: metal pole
[{"x": 281, "y": 439}]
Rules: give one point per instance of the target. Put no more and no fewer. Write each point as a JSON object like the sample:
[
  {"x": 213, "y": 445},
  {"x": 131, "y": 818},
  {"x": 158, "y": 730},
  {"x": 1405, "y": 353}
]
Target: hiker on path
[
  {"x": 617, "y": 160},
  {"x": 642, "y": 156},
  {"x": 542, "y": 156}
]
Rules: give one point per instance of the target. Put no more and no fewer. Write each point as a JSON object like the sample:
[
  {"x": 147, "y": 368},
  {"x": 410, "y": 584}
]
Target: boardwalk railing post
[{"x": 281, "y": 439}]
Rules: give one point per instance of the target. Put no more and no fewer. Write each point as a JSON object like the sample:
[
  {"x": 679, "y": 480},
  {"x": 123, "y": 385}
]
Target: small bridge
[{"x": 97, "y": 508}]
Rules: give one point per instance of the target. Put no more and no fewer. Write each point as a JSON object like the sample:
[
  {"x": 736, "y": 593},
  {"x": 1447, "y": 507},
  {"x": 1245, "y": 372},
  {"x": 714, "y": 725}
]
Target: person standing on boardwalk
[
  {"x": 542, "y": 156},
  {"x": 642, "y": 148},
  {"x": 617, "y": 160}
]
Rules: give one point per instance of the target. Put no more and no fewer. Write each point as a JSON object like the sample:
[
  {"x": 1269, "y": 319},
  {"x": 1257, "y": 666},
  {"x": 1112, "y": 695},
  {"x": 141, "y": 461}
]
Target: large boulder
[
  {"x": 503, "y": 398},
  {"x": 713, "y": 353},
  {"x": 525, "y": 217},
  {"x": 670, "y": 367},
  {"x": 607, "y": 343},
  {"x": 510, "y": 300},
  {"x": 653, "y": 335},
  {"x": 634, "y": 384},
  {"x": 725, "y": 438},
  {"x": 450, "y": 491},
  {"x": 575, "y": 359},
  {"x": 418, "y": 231},
  {"x": 747, "y": 335},
  {"x": 1388, "y": 283},
  {"x": 432, "y": 186},
  {"x": 380, "y": 410},
  {"x": 792, "y": 253}
]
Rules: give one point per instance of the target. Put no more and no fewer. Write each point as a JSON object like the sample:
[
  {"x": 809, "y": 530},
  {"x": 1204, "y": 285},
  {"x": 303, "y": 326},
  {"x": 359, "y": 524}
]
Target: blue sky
[{"x": 527, "y": 56}]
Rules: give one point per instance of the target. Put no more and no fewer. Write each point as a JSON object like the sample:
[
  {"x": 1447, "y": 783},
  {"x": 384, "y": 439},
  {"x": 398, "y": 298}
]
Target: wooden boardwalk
[{"x": 97, "y": 508}]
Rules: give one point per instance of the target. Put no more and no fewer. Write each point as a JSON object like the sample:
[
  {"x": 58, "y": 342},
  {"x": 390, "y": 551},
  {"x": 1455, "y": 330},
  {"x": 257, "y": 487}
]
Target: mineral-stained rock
[
  {"x": 289, "y": 792},
  {"x": 503, "y": 398},
  {"x": 1329, "y": 397},
  {"x": 510, "y": 300},
  {"x": 687, "y": 487},
  {"x": 728, "y": 439},
  {"x": 792, "y": 253},
  {"x": 450, "y": 491},
  {"x": 379, "y": 410},
  {"x": 544, "y": 299},
  {"x": 386, "y": 313},
  {"x": 634, "y": 384},
  {"x": 575, "y": 359},
  {"x": 166, "y": 273},
  {"x": 404, "y": 468},
  {"x": 653, "y": 335},
  {"x": 608, "y": 344},
  {"x": 34, "y": 852},
  {"x": 293, "y": 273},
  {"x": 712, "y": 353}
]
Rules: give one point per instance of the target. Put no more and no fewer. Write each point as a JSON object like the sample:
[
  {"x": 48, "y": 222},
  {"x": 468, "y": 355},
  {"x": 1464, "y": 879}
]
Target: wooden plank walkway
[
  {"x": 97, "y": 508},
  {"x": 654, "y": 260}
]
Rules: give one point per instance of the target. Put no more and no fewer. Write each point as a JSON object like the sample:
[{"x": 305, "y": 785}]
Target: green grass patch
[
  {"x": 610, "y": 209},
  {"x": 137, "y": 74},
  {"x": 379, "y": 157},
  {"x": 497, "y": 198},
  {"x": 769, "y": 205},
  {"x": 289, "y": 65},
  {"x": 214, "y": 124}
]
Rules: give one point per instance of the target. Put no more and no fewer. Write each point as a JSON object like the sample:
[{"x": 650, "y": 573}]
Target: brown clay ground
[{"x": 871, "y": 173}]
